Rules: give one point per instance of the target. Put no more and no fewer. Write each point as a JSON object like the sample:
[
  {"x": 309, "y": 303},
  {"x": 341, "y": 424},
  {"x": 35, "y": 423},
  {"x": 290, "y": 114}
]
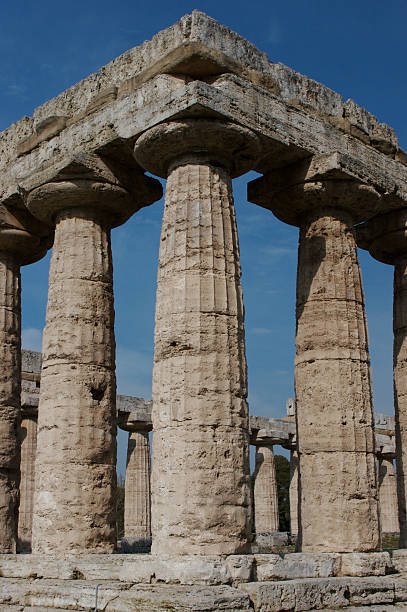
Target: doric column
[
  {"x": 266, "y": 518},
  {"x": 200, "y": 473},
  {"x": 75, "y": 471},
  {"x": 388, "y": 496},
  {"x": 385, "y": 236},
  {"x": 28, "y": 441},
  {"x": 137, "y": 495},
  {"x": 294, "y": 493},
  {"x": 18, "y": 246},
  {"x": 338, "y": 503}
]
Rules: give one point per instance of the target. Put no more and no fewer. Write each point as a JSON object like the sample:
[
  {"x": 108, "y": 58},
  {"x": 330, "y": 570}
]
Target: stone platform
[{"x": 263, "y": 583}]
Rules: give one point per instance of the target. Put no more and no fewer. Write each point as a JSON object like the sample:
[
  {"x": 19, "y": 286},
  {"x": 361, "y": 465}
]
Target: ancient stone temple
[{"x": 197, "y": 105}]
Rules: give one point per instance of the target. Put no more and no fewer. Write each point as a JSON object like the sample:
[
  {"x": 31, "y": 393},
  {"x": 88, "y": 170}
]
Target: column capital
[
  {"x": 318, "y": 182},
  {"x": 22, "y": 237},
  {"x": 385, "y": 236},
  {"x": 201, "y": 141},
  {"x": 94, "y": 183}
]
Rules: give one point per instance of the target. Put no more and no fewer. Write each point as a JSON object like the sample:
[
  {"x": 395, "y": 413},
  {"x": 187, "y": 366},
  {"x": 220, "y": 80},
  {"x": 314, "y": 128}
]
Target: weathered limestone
[
  {"x": 200, "y": 478},
  {"x": 294, "y": 473},
  {"x": 385, "y": 236},
  {"x": 28, "y": 441},
  {"x": 266, "y": 517},
  {"x": 22, "y": 241},
  {"x": 332, "y": 376},
  {"x": 75, "y": 471},
  {"x": 388, "y": 496},
  {"x": 137, "y": 496}
]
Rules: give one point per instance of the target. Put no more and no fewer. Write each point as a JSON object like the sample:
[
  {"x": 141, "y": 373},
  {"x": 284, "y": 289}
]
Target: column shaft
[
  {"x": 294, "y": 492},
  {"x": 200, "y": 476},
  {"x": 75, "y": 479},
  {"x": 400, "y": 388},
  {"x": 28, "y": 438},
  {"x": 10, "y": 384},
  {"x": 388, "y": 497},
  {"x": 338, "y": 494},
  {"x": 137, "y": 498},
  {"x": 266, "y": 515}
]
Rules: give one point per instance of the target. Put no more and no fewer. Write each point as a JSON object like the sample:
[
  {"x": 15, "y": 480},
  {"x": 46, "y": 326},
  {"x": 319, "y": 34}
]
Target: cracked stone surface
[{"x": 200, "y": 478}]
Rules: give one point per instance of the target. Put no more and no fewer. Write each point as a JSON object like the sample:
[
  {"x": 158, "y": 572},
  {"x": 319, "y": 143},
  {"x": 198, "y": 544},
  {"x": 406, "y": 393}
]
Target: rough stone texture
[
  {"x": 294, "y": 474},
  {"x": 266, "y": 518},
  {"x": 388, "y": 496},
  {"x": 332, "y": 370},
  {"x": 169, "y": 597},
  {"x": 28, "y": 442},
  {"x": 385, "y": 238},
  {"x": 321, "y": 593},
  {"x": 333, "y": 389},
  {"x": 75, "y": 472},
  {"x": 137, "y": 504},
  {"x": 22, "y": 241},
  {"x": 297, "y": 565},
  {"x": 200, "y": 480},
  {"x": 10, "y": 339}
]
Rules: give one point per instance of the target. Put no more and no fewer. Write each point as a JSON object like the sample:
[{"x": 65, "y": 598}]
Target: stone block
[
  {"x": 241, "y": 567},
  {"x": 297, "y": 565},
  {"x": 371, "y": 591},
  {"x": 158, "y": 598},
  {"x": 399, "y": 559},
  {"x": 366, "y": 564}
]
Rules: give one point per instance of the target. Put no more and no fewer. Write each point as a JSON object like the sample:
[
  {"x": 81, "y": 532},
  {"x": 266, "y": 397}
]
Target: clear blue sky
[{"x": 355, "y": 47}]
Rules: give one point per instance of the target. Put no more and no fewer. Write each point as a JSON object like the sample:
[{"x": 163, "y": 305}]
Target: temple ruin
[{"x": 198, "y": 106}]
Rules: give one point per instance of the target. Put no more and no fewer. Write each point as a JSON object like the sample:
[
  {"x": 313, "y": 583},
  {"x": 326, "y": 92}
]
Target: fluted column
[
  {"x": 385, "y": 236},
  {"x": 338, "y": 505},
  {"x": 200, "y": 474},
  {"x": 17, "y": 247},
  {"x": 266, "y": 517},
  {"x": 388, "y": 496},
  {"x": 75, "y": 471},
  {"x": 294, "y": 492},
  {"x": 28, "y": 441},
  {"x": 137, "y": 495}
]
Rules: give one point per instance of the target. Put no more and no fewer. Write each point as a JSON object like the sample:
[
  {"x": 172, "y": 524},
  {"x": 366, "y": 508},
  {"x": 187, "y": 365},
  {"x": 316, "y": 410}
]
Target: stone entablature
[{"x": 198, "y": 64}]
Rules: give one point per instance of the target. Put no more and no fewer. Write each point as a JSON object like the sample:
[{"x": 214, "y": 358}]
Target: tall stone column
[
  {"x": 266, "y": 517},
  {"x": 75, "y": 471},
  {"x": 294, "y": 493},
  {"x": 200, "y": 474},
  {"x": 388, "y": 496},
  {"x": 18, "y": 246},
  {"x": 338, "y": 503},
  {"x": 28, "y": 441},
  {"x": 137, "y": 495},
  {"x": 385, "y": 236}
]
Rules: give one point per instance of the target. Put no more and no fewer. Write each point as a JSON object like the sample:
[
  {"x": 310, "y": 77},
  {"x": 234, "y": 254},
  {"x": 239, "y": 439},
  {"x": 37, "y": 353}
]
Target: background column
[
  {"x": 266, "y": 517},
  {"x": 388, "y": 496},
  {"x": 137, "y": 497}
]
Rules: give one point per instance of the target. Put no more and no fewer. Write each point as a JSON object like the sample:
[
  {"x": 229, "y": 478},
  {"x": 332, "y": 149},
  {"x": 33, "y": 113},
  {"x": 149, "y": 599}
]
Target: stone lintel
[{"x": 230, "y": 97}]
